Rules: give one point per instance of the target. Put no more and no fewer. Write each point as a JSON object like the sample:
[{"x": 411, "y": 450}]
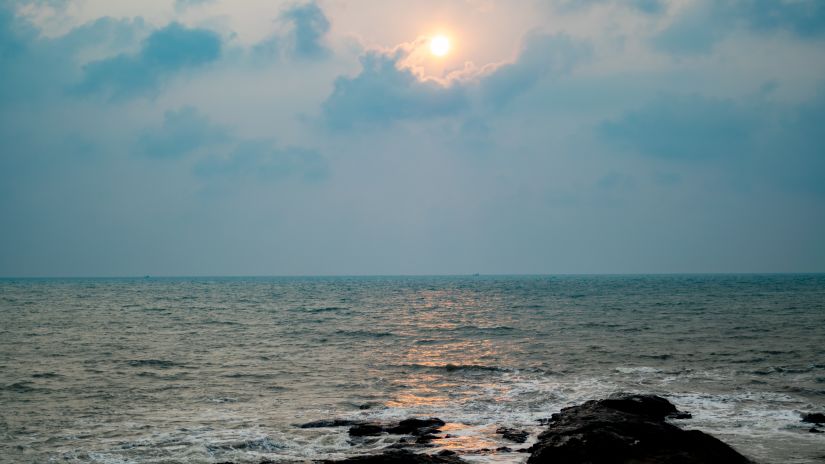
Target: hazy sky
[{"x": 198, "y": 137}]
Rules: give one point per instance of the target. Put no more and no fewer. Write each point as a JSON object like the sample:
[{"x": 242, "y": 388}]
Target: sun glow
[{"x": 440, "y": 45}]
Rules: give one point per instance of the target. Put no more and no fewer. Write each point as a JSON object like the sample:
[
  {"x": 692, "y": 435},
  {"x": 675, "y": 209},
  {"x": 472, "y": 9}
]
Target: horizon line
[{"x": 298, "y": 276}]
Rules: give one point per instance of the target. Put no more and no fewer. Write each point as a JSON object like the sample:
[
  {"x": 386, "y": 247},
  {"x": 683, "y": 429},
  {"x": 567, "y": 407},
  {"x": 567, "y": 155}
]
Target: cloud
[
  {"x": 754, "y": 143},
  {"x": 388, "y": 90},
  {"x": 309, "y": 26},
  {"x": 645, "y": 6},
  {"x": 264, "y": 160},
  {"x": 705, "y": 22},
  {"x": 183, "y": 132},
  {"x": 182, "y": 5},
  {"x": 684, "y": 128},
  {"x": 36, "y": 67},
  {"x": 384, "y": 92},
  {"x": 541, "y": 56},
  {"x": 164, "y": 53}
]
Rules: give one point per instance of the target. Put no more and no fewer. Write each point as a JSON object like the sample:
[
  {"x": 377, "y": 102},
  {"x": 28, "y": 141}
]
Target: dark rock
[
  {"x": 329, "y": 423},
  {"x": 365, "y": 430},
  {"x": 446, "y": 453},
  {"x": 680, "y": 415},
  {"x": 425, "y": 439},
  {"x": 416, "y": 426},
  {"x": 422, "y": 428},
  {"x": 400, "y": 457},
  {"x": 654, "y": 407},
  {"x": 626, "y": 429},
  {"x": 814, "y": 418},
  {"x": 815, "y": 430},
  {"x": 365, "y": 406},
  {"x": 517, "y": 436},
  {"x": 504, "y": 449}
]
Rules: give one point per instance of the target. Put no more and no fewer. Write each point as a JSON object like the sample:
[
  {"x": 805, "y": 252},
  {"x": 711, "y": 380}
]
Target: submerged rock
[{"x": 626, "y": 429}]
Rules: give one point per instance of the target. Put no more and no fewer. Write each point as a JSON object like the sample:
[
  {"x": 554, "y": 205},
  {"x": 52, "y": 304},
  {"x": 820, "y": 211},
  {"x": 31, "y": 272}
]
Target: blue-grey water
[{"x": 206, "y": 370}]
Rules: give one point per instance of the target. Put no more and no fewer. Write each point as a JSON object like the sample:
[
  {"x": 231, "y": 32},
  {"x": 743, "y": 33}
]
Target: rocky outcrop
[
  {"x": 623, "y": 429},
  {"x": 626, "y": 429}
]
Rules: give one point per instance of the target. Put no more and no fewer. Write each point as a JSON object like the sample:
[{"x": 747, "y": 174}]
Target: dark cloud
[
  {"x": 751, "y": 140},
  {"x": 645, "y": 6},
  {"x": 542, "y": 56},
  {"x": 705, "y": 22},
  {"x": 36, "y": 67},
  {"x": 164, "y": 53},
  {"x": 309, "y": 26},
  {"x": 385, "y": 91},
  {"x": 182, "y": 132},
  {"x": 684, "y": 127},
  {"x": 382, "y": 92}
]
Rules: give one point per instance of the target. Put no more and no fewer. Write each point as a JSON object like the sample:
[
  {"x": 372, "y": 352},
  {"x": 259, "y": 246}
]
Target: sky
[{"x": 267, "y": 137}]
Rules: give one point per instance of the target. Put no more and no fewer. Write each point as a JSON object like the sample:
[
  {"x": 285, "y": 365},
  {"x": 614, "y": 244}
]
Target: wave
[
  {"x": 449, "y": 367},
  {"x": 265, "y": 444},
  {"x": 20, "y": 387},
  {"x": 364, "y": 333},
  {"x": 158, "y": 363}
]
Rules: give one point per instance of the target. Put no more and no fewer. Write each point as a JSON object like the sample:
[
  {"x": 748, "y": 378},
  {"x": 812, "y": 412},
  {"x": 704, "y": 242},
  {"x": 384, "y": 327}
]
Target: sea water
[{"x": 207, "y": 370}]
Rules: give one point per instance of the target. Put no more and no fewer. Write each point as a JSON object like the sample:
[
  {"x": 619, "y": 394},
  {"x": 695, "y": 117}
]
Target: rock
[
  {"x": 422, "y": 428},
  {"x": 643, "y": 405},
  {"x": 425, "y": 439},
  {"x": 517, "y": 436},
  {"x": 815, "y": 430},
  {"x": 401, "y": 457},
  {"x": 416, "y": 426},
  {"x": 365, "y": 430},
  {"x": 680, "y": 415},
  {"x": 814, "y": 418},
  {"x": 504, "y": 449},
  {"x": 626, "y": 429},
  {"x": 329, "y": 423}
]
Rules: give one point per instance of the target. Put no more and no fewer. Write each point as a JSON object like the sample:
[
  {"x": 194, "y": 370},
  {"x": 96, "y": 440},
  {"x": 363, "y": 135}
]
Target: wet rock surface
[
  {"x": 626, "y": 429},
  {"x": 814, "y": 418},
  {"x": 517, "y": 436},
  {"x": 424, "y": 429},
  {"x": 329, "y": 423}
]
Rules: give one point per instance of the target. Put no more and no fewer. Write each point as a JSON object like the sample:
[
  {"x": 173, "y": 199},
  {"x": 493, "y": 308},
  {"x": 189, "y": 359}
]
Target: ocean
[{"x": 207, "y": 370}]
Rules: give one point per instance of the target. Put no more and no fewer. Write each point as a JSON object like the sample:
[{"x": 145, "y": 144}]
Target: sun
[{"x": 440, "y": 45}]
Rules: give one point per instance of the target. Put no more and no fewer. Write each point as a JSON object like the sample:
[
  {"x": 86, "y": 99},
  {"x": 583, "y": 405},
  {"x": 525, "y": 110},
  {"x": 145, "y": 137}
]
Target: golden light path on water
[{"x": 423, "y": 390}]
